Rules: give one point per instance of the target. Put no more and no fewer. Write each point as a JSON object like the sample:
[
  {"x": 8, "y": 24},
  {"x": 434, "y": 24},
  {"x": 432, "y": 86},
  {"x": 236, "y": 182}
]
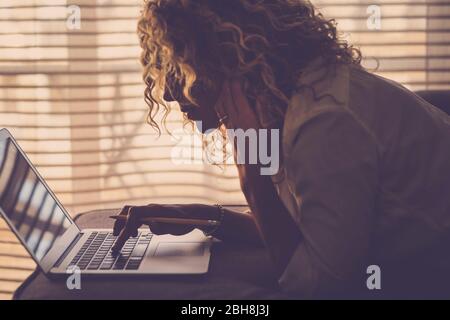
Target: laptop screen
[{"x": 27, "y": 203}]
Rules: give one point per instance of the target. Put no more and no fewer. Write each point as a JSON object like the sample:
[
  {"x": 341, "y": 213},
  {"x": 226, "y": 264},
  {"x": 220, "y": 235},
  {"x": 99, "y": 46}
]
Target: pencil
[{"x": 196, "y": 222}]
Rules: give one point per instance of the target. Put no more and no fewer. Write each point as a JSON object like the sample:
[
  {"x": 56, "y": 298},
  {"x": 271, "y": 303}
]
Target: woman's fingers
[
  {"x": 235, "y": 108},
  {"x": 147, "y": 211},
  {"x": 240, "y": 100},
  {"x": 119, "y": 223},
  {"x": 225, "y": 109},
  {"x": 135, "y": 215},
  {"x": 130, "y": 229}
]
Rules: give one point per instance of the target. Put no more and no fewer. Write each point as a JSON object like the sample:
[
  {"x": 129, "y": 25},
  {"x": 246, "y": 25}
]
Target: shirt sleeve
[{"x": 331, "y": 169}]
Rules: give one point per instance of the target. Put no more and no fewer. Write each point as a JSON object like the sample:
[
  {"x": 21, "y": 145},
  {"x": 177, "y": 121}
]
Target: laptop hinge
[{"x": 69, "y": 248}]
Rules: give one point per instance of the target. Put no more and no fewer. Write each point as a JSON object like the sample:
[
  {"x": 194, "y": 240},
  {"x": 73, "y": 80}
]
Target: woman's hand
[
  {"x": 235, "y": 111},
  {"x": 233, "y": 107},
  {"x": 135, "y": 214}
]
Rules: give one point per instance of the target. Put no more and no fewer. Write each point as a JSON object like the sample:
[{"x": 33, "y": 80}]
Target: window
[{"x": 73, "y": 98}]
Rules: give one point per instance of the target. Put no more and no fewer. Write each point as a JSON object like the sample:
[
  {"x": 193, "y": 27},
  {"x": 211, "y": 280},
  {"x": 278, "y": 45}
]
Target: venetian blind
[{"x": 73, "y": 98}]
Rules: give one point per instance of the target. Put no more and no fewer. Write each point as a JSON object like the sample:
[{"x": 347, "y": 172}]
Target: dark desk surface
[{"x": 235, "y": 273}]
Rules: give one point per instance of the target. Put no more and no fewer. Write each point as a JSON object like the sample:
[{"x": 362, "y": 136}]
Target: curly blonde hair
[{"x": 267, "y": 43}]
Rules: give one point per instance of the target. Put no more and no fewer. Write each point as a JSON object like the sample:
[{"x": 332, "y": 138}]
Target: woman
[{"x": 365, "y": 163}]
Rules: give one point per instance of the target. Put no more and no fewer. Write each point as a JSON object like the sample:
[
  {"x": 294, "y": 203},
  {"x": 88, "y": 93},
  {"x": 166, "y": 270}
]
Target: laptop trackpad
[{"x": 180, "y": 249}]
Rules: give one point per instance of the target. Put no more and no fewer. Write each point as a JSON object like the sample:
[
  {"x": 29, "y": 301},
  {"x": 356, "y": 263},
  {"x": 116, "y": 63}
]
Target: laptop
[{"x": 58, "y": 244}]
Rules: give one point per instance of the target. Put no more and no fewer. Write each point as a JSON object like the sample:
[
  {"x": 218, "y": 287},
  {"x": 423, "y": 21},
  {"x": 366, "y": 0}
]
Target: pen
[{"x": 196, "y": 222}]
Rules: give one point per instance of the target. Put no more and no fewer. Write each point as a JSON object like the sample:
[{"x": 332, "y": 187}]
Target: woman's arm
[
  {"x": 239, "y": 228},
  {"x": 236, "y": 227},
  {"x": 279, "y": 231}
]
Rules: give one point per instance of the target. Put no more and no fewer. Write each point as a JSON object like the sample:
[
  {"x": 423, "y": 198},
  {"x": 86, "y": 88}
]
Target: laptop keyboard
[{"x": 95, "y": 254}]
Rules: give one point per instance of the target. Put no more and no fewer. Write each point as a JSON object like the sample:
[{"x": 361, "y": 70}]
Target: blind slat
[{"x": 74, "y": 100}]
